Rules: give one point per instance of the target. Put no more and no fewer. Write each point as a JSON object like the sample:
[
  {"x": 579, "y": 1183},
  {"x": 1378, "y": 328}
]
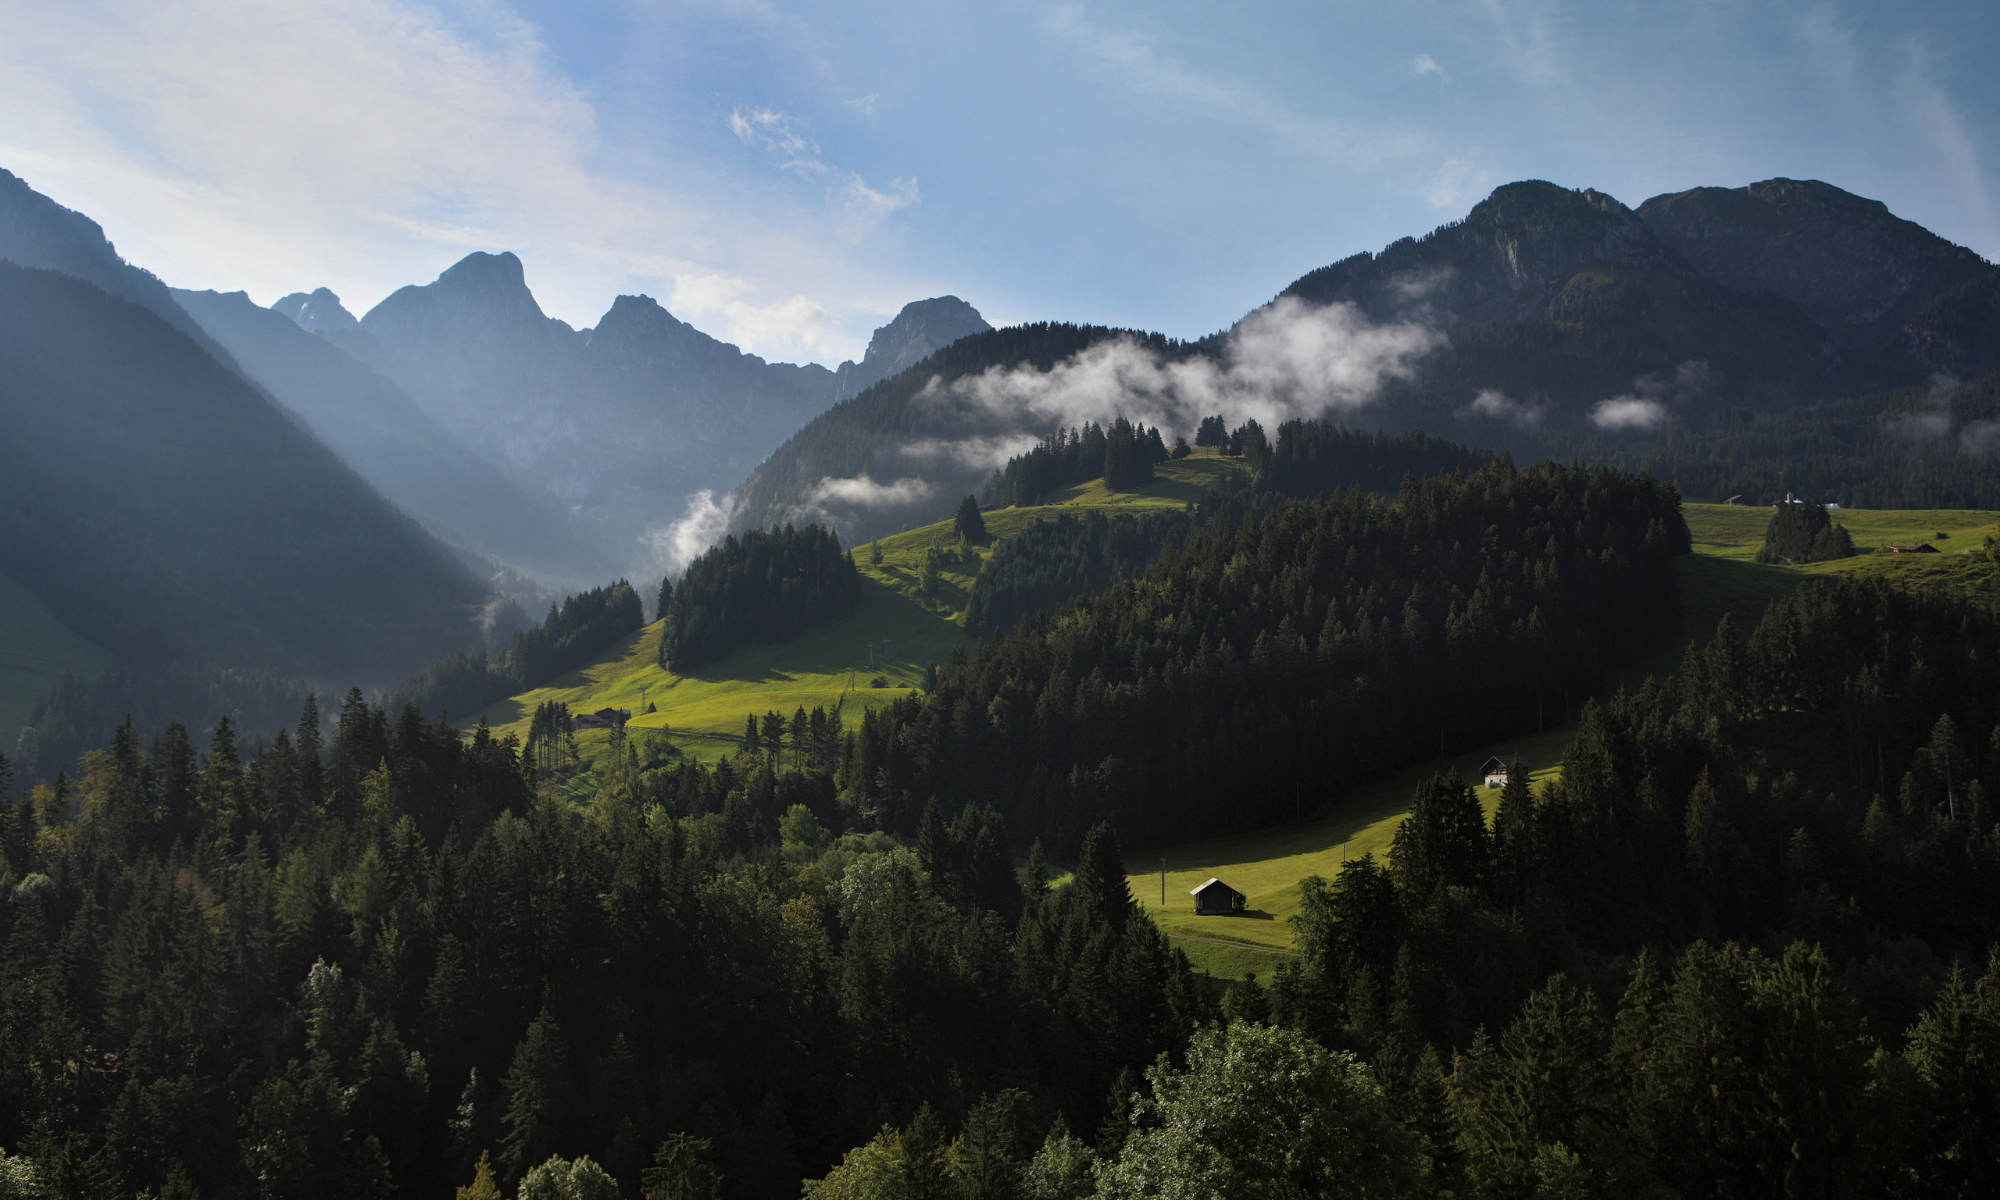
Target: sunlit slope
[
  {"x": 1720, "y": 576},
  {"x": 1267, "y": 865},
  {"x": 894, "y": 633}
]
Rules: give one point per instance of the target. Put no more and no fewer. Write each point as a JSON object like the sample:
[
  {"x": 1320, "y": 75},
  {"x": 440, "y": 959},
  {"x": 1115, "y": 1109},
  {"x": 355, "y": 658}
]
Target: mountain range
[
  {"x": 455, "y": 439},
  {"x": 615, "y": 425},
  {"x": 1782, "y": 334}
]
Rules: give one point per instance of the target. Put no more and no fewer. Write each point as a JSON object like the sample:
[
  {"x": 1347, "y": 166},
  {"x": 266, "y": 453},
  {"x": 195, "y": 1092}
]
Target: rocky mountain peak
[
  {"x": 923, "y": 328},
  {"x": 1845, "y": 260},
  {"x": 317, "y": 312},
  {"x": 1496, "y": 264}
]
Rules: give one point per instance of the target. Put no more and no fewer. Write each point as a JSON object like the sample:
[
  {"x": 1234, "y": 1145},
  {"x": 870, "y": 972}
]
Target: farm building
[
  {"x": 1216, "y": 898},
  {"x": 1925, "y": 548},
  {"x": 1494, "y": 770},
  {"x": 603, "y": 718}
]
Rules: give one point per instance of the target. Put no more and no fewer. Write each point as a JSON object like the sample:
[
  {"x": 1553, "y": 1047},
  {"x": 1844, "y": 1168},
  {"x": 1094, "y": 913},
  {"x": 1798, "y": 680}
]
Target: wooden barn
[
  {"x": 1494, "y": 770},
  {"x": 1216, "y": 898}
]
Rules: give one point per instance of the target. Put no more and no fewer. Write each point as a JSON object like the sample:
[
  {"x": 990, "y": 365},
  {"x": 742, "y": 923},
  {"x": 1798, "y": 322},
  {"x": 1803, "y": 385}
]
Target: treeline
[
  {"x": 870, "y": 433},
  {"x": 80, "y": 713},
  {"x": 577, "y": 630},
  {"x": 384, "y": 966},
  {"x": 1749, "y": 877},
  {"x": 1315, "y": 458},
  {"x": 1077, "y": 553},
  {"x": 1287, "y": 652},
  {"x": 765, "y": 586},
  {"x": 1122, "y": 454}
]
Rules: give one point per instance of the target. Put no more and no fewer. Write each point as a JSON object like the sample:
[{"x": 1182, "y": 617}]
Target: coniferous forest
[
  {"x": 762, "y": 587},
  {"x": 256, "y": 945}
]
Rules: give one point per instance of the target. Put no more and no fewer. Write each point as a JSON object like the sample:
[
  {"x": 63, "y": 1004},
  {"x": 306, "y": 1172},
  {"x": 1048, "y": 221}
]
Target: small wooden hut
[{"x": 1216, "y": 898}]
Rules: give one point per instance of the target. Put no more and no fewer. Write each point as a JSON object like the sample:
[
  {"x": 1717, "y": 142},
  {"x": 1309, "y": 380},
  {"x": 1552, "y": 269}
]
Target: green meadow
[{"x": 895, "y": 632}]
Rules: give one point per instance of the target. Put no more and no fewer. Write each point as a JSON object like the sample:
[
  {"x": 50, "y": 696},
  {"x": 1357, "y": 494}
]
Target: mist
[{"x": 1283, "y": 362}]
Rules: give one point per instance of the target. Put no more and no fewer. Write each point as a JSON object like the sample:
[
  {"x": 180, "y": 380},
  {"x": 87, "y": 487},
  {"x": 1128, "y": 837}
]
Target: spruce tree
[
  {"x": 536, "y": 1095},
  {"x": 969, "y": 525}
]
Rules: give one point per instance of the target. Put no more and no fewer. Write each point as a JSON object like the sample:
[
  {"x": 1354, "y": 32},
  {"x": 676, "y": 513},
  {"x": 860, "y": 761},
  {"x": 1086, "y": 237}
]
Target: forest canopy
[{"x": 764, "y": 586}]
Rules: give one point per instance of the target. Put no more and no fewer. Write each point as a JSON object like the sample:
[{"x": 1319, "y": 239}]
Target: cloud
[
  {"x": 671, "y": 547},
  {"x": 1283, "y": 361},
  {"x": 1498, "y": 405},
  {"x": 863, "y": 492},
  {"x": 865, "y": 103},
  {"x": 978, "y": 453},
  {"x": 1426, "y": 65},
  {"x": 1653, "y": 398},
  {"x": 1980, "y": 438},
  {"x": 363, "y": 146},
  {"x": 794, "y": 327},
  {"x": 1456, "y": 179},
  {"x": 1628, "y": 413},
  {"x": 1146, "y": 68},
  {"x": 859, "y": 207},
  {"x": 1933, "y": 421}
]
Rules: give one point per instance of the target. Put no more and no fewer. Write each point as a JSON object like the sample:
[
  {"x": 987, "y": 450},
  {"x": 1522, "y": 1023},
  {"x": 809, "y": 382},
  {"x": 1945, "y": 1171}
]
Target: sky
[{"x": 787, "y": 176}]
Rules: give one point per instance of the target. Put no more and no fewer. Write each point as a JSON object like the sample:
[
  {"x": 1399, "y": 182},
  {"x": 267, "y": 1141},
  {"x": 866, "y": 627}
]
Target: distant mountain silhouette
[
  {"x": 35, "y": 231},
  {"x": 170, "y": 512},
  {"x": 620, "y": 423},
  {"x": 377, "y": 429}
]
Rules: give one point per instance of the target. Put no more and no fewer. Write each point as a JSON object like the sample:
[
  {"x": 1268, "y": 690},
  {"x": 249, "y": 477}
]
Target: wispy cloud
[
  {"x": 1426, "y": 65},
  {"x": 366, "y": 145},
  {"x": 1143, "y": 66},
  {"x": 861, "y": 207}
]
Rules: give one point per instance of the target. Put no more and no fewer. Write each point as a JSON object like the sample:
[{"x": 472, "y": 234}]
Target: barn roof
[
  {"x": 1211, "y": 883},
  {"x": 1497, "y": 764}
]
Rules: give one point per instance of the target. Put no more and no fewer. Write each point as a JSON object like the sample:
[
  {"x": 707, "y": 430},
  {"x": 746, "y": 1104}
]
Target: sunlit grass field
[
  {"x": 894, "y": 633},
  {"x": 1267, "y": 864}
]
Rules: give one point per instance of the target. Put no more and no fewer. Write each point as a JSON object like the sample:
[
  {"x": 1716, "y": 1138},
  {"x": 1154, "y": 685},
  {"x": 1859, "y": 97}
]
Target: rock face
[
  {"x": 320, "y": 312},
  {"x": 921, "y": 329},
  {"x": 619, "y": 424},
  {"x": 1499, "y": 262}
]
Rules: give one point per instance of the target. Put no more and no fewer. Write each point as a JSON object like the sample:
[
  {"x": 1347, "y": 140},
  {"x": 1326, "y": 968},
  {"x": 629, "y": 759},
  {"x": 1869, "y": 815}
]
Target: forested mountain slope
[
  {"x": 377, "y": 429},
  {"x": 1786, "y": 336},
  {"x": 35, "y": 231},
  {"x": 171, "y": 513}
]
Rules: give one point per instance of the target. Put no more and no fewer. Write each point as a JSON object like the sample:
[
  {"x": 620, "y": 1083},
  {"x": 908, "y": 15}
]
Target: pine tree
[
  {"x": 535, "y": 1093},
  {"x": 969, "y": 525},
  {"x": 1100, "y": 883}
]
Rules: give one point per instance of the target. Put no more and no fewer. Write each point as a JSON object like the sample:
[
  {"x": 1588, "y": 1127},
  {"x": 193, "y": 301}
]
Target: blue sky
[{"x": 785, "y": 176}]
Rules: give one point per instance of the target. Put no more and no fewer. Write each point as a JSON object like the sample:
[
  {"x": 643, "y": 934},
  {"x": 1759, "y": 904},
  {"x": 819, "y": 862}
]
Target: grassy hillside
[
  {"x": 1720, "y": 576},
  {"x": 1266, "y": 865},
  {"x": 36, "y": 650},
  {"x": 704, "y": 711},
  {"x": 894, "y": 633}
]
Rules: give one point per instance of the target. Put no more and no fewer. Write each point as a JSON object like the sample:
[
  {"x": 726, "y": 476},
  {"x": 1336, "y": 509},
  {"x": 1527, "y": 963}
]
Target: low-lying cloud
[
  {"x": 1625, "y": 413},
  {"x": 1286, "y": 361},
  {"x": 973, "y": 453},
  {"x": 673, "y": 546},
  {"x": 1499, "y": 406},
  {"x": 1652, "y": 399},
  {"x": 863, "y": 492}
]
